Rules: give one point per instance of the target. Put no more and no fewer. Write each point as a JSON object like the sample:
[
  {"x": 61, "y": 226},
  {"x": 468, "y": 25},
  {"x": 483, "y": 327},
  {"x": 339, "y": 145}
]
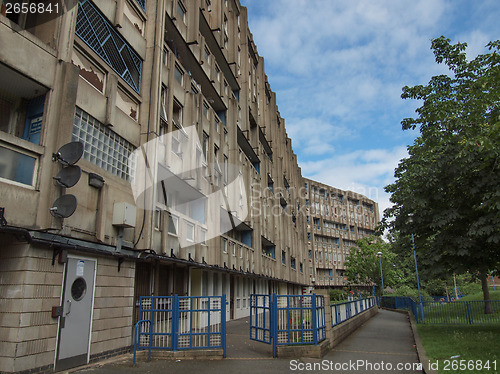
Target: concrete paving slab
[{"x": 384, "y": 344}]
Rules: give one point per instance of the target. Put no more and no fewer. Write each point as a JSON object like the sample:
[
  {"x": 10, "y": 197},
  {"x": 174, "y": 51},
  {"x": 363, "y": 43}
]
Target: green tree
[
  {"x": 450, "y": 182},
  {"x": 363, "y": 265}
]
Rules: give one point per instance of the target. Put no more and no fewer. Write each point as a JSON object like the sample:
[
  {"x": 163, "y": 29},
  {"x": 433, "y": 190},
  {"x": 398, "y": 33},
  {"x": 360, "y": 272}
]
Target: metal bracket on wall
[
  {"x": 120, "y": 262},
  {"x": 3, "y": 221},
  {"x": 61, "y": 254},
  {"x": 56, "y": 252}
]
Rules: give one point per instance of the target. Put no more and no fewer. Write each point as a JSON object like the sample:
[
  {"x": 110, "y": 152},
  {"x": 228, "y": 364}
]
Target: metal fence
[
  {"x": 180, "y": 322},
  {"x": 344, "y": 311},
  {"x": 301, "y": 319},
  {"x": 287, "y": 319},
  {"x": 442, "y": 312}
]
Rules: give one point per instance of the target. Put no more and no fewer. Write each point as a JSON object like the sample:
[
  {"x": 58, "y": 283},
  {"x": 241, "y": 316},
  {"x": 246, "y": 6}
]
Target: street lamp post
[
  {"x": 379, "y": 255},
  {"x": 416, "y": 269}
]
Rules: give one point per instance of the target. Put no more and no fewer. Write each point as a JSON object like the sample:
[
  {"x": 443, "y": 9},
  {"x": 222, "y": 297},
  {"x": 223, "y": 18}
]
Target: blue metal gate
[
  {"x": 287, "y": 319},
  {"x": 180, "y": 322},
  {"x": 260, "y": 318}
]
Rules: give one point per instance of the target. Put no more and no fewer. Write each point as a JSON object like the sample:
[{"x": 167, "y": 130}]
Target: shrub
[
  {"x": 408, "y": 291},
  {"x": 338, "y": 295}
]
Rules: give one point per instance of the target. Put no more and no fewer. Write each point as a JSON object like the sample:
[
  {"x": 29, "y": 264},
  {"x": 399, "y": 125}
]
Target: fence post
[
  {"x": 274, "y": 322},
  {"x": 151, "y": 326},
  {"x": 469, "y": 316},
  {"x": 223, "y": 323},
  {"x": 314, "y": 319},
  {"x": 175, "y": 323}
]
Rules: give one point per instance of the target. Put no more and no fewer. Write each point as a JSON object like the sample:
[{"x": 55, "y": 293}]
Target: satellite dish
[
  {"x": 64, "y": 206},
  {"x": 68, "y": 176},
  {"x": 69, "y": 154}
]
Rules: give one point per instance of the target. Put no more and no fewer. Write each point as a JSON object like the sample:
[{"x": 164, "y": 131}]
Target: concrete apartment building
[
  {"x": 335, "y": 220},
  {"x": 189, "y": 184}
]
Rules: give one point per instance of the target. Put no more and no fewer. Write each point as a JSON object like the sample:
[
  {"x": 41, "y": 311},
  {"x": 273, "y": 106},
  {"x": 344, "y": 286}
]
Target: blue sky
[{"x": 338, "y": 68}]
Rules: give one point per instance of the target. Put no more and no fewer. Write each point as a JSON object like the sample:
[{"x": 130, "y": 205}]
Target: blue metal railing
[
  {"x": 457, "y": 312},
  {"x": 180, "y": 322},
  {"x": 142, "y": 4},
  {"x": 287, "y": 319},
  {"x": 301, "y": 319},
  {"x": 342, "y": 312},
  {"x": 443, "y": 312},
  {"x": 100, "y": 35}
]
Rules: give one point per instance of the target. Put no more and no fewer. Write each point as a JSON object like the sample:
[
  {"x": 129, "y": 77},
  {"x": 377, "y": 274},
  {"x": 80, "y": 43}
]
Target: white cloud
[
  {"x": 314, "y": 136},
  {"x": 362, "y": 171},
  {"x": 338, "y": 68}
]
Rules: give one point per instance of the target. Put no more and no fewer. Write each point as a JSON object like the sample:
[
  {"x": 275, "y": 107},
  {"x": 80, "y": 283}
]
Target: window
[
  {"x": 178, "y": 74},
  {"x": 226, "y": 169},
  {"x": 173, "y": 225},
  {"x": 157, "y": 219},
  {"x": 163, "y": 110},
  {"x": 217, "y": 169},
  {"x": 181, "y": 11},
  {"x": 215, "y": 284},
  {"x": 189, "y": 231},
  {"x": 224, "y": 245},
  {"x": 16, "y": 166},
  {"x": 179, "y": 135},
  {"x": 206, "y": 54},
  {"x": 283, "y": 257},
  {"x": 217, "y": 72},
  {"x": 103, "y": 147},
  {"x": 205, "y": 109},
  {"x": 32, "y": 20},
  {"x": 142, "y": 4},
  {"x": 270, "y": 183},
  {"x": 205, "y": 145},
  {"x": 100, "y": 35},
  {"x": 292, "y": 263},
  {"x": 22, "y": 117},
  {"x": 204, "y": 160}
]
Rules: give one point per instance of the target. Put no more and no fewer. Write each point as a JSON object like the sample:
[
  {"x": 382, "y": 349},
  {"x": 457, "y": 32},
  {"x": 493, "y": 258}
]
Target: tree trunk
[{"x": 486, "y": 293}]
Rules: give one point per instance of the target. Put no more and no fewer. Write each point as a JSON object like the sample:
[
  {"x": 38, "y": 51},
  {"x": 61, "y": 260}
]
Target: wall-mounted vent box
[{"x": 124, "y": 215}]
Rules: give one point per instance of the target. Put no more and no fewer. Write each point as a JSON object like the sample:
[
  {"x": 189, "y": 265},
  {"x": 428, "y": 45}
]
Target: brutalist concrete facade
[
  {"x": 335, "y": 220},
  {"x": 189, "y": 184}
]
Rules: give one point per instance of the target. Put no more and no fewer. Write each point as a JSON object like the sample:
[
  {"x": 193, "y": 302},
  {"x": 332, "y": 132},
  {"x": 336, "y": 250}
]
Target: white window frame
[
  {"x": 190, "y": 231},
  {"x": 175, "y": 221}
]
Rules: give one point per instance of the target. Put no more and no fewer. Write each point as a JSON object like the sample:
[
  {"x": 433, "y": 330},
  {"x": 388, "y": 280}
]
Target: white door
[{"x": 75, "y": 324}]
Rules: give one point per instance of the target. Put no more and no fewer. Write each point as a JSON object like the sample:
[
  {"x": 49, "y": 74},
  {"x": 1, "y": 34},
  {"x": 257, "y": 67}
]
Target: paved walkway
[{"x": 384, "y": 340}]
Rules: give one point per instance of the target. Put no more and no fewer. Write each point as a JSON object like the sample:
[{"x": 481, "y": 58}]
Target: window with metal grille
[
  {"x": 96, "y": 31},
  {"x": 103, "y": 147}
]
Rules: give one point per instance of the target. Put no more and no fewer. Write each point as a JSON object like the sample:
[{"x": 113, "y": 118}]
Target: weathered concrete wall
[
  {"x": 113, "y": 306},
  {"x": 29, "y": 287}
]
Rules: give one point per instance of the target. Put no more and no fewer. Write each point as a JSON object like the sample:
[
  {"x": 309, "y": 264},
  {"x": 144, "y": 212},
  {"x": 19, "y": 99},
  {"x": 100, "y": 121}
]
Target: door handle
[{"x": 68, "y": 306}]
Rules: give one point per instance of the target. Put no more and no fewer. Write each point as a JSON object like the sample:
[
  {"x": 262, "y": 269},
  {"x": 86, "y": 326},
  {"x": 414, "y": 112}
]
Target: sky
[{"x": 338, "y": 68}]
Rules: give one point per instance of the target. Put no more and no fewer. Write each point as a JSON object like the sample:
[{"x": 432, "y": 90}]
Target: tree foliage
[
  {"x": 363, "y": 265},
  {"x": 449, "y": 184}
]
